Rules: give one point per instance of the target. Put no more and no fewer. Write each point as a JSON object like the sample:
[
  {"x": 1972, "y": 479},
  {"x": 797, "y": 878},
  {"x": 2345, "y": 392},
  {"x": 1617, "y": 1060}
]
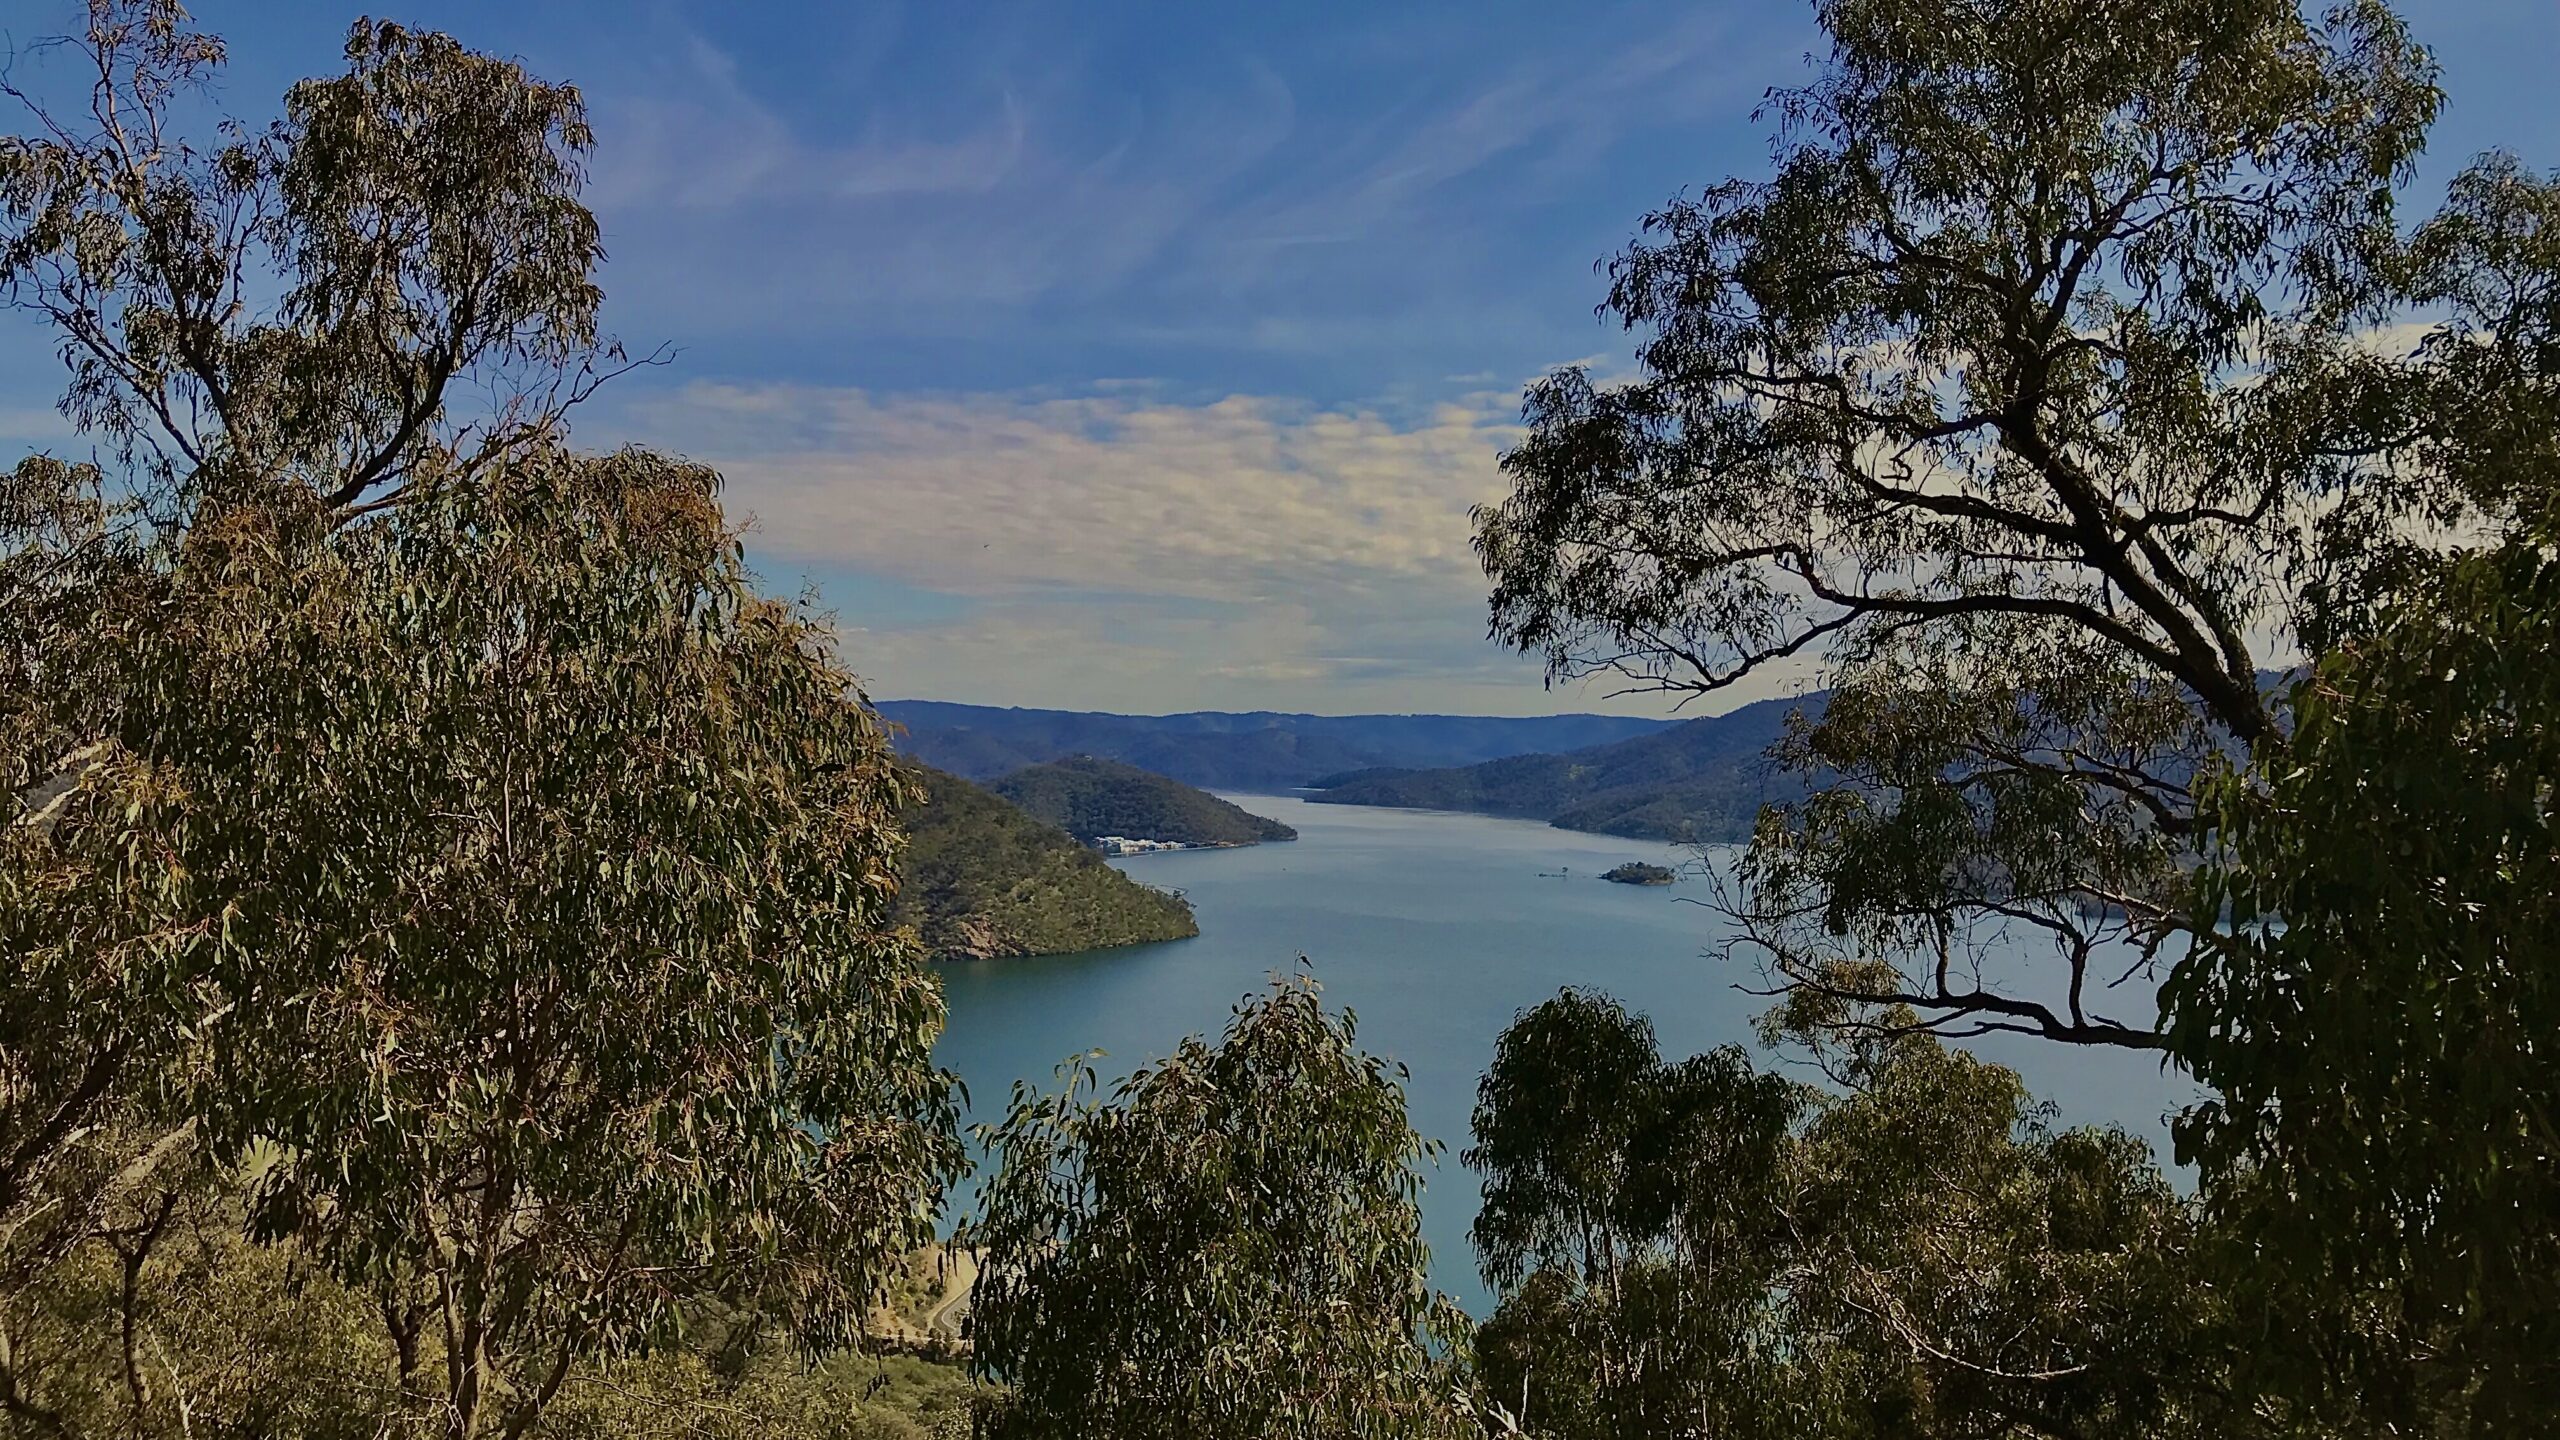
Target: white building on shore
[{"x": 1123, "y": 845}]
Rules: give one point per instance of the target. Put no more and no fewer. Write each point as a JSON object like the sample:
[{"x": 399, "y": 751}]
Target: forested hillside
[
  {"x": 1704, "y": 780},
  {"x": 1089, "y": 798},
  {"x": 1221, "y": 751},
  {"x": 981, "y": 880}
]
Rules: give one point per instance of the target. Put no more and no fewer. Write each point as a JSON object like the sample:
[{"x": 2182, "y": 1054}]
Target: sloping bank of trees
[{"x": 449, "y": 986}]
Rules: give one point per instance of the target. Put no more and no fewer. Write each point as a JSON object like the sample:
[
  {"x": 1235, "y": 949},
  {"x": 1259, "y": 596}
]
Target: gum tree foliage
[
  {"x": 1699, "y": 1248},
  {"x": 298, "y": 308},
  {"x": 2372, "y": 991},
  {"x": 196, "y": 1333},
  {"x": 1627, "y": 1226},
  {"x": 423, "y": 825},
  {"x": 1980, "y": 1271},
  {"x": 2377, "y": 1006},
  {"x": 594, "y": 1004},
  {"x": 1229, "y": 1245},
  {"x": 82, "y": 991},
  {"x": 311, "y": 301},
  {"x": 96, "y": 961},
  {"x": 2035, "y": 402},
  {"x": 535, "y": 874}
]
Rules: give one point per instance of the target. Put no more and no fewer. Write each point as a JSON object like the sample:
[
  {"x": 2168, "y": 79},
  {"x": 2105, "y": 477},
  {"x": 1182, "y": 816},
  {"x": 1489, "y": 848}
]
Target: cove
[{"x": 1435, "y": 930}]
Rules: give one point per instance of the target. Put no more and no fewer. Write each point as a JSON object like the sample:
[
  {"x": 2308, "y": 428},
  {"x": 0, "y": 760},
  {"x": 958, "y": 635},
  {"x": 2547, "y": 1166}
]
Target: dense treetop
[
  {"x": 2040, "y": 399},
  {"x": 422, "y": 845}
]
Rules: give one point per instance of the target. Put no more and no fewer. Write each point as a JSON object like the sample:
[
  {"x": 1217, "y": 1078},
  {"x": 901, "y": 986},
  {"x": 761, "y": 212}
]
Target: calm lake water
[{"x": 1436, "y": 930}]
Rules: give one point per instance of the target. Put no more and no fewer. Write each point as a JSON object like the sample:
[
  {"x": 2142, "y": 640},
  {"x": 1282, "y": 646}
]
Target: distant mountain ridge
[
  {"x": 1700, "y": 780},
  {"x": 1254, "y": 750},
  {"x": 1090, "y": 797}
]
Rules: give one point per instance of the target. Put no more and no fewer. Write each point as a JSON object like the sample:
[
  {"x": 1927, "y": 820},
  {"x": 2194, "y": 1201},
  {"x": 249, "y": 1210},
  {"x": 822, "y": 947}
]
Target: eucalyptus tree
[
  {"x": 1229, "y": 1245},
  {"x": 576, "y": 993},
  {"x": 1920, "y": 1254},
  {"x": 522, "y": 880},
  {"x": 2070, "y": 378},
  {"x": 388, "y": 286},
  {"x": 426, "y": 824},
  {"x": 1970, "y": 1267},
  {"x": 2371, "y": 990},
  {"x": 302, "y": 305},
  {"x": 1632, "y": 1226},
  {"x": 2374, "y": 1001},
  {"x": 2038, "y": 402},
  {"x": 76, "y": 997},
  {"x": 1557, "y": 1117}
]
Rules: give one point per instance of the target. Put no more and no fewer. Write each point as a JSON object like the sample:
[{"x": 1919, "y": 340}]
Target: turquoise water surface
[{"x": 1435, "y": 930}]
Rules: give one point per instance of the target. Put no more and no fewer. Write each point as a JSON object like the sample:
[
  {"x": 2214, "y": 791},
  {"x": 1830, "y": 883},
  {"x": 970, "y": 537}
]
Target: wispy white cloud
[
  {"x": 1121, "y": 548},
  {"x": 1247, "y": 498},
  {"x": 1192, "y": 203},
  {"x": 1023, "y": 181},
  {"x": 1259, "y": 213},
  {"x": 1556, "y": 110},
  {"x": 709, "y": 143}
]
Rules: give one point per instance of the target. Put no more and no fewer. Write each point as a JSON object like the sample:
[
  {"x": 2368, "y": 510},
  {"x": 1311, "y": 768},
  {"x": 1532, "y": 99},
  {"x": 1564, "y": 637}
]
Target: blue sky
[{"x": 1136, "y": 356}]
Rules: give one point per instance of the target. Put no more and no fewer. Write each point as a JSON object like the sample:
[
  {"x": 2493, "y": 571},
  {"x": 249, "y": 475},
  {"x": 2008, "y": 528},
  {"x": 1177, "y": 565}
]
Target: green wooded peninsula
[{"x": 984, "y": 879}]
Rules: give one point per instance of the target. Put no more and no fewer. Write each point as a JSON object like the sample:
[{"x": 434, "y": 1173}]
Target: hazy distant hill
[
  {"x": 1350, "y": 777},
  {"x": 983, "y": 879},
  {"x": 1089, "y": 797},
  {"x": 1260, "y": 750},
  {"x": 1701, "y": 780}
]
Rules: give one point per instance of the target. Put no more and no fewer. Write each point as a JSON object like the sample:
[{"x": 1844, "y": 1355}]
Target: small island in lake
[{"x": 1637, "y": 872}]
